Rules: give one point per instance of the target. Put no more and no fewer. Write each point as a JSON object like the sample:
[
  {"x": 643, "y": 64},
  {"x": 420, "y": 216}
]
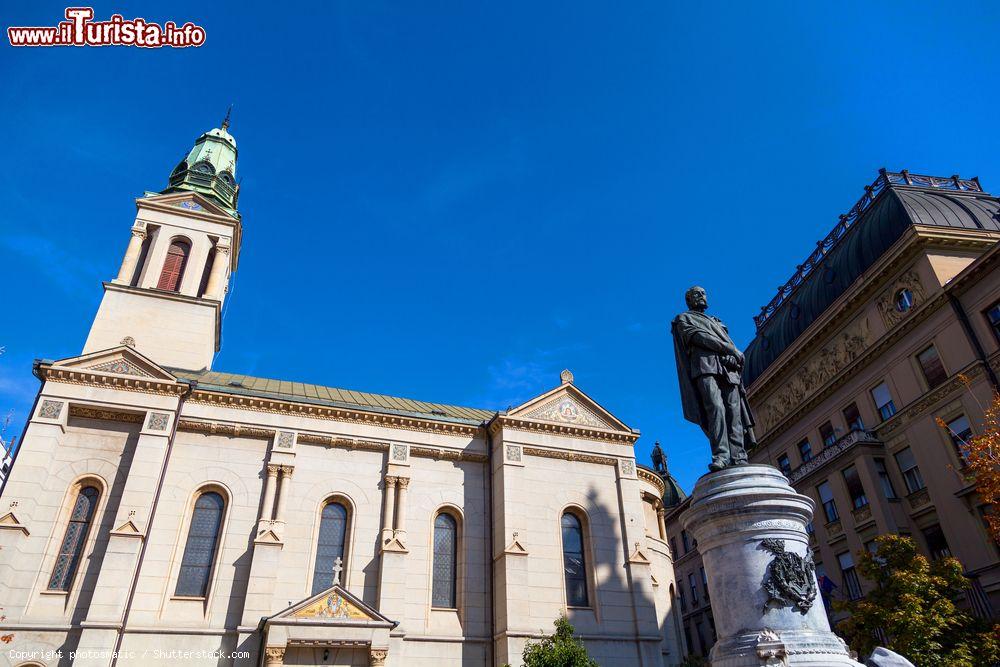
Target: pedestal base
[{"x": 750, "y": 527}]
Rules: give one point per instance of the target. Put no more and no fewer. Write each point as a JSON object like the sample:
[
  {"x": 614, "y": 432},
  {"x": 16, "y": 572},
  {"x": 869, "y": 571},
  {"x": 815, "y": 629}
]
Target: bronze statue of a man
[{"x": 712, "y": 393}]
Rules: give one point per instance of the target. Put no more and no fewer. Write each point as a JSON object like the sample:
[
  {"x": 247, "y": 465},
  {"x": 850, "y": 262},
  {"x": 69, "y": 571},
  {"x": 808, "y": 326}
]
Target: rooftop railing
[{"x": 851, "y": 218}]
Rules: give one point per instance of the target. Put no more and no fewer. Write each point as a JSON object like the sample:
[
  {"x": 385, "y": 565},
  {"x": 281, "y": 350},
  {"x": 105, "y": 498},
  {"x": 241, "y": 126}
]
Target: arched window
[
  {"x": 445, "y": 561},
  {"x": 574, "y": 563},
  {"x": 332, "y": 536},
  {"x": 173, "y": 265},
  {"x": 74, "y": 540},
  {"x": 202, "y": 543}
]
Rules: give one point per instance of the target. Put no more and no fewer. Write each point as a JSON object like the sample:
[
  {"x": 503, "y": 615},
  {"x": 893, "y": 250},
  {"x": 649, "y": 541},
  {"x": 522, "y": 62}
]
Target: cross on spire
[{"x": 337, "y": 569}]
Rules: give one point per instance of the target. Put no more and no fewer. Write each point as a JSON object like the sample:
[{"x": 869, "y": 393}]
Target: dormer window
[
  {"x": 227, "y": 178},
  {"x": 204, "y": 168},
  {"x": 173, "y": 266}
]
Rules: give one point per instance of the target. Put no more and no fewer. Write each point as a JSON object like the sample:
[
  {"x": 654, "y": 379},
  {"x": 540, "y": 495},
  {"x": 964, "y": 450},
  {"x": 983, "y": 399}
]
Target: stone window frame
[
  {"x": 589, "y": 554},
  {"x": 995, "y": 328},
  {"x": 458, "y": 515},
  {"x": 220, "y": 545},
  {"x": 948, "y": 414},
  {"x": 59, "y": 532},
  {"x": 351, "y": 507}
]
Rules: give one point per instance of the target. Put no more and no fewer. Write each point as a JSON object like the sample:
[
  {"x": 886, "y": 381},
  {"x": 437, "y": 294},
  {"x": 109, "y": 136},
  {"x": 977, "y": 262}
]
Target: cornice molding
[
  {"x": 515, "y": 424},
  {"x": 355, "y": 416},
  {"x": 960, "y": 380},
  {"x": 222, "y": 428},
  {"x": 652, "y": 478},
  {"x": 92, "y": 378}
]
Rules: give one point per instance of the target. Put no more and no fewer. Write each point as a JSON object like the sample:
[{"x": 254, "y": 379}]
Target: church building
[{"x": 160, "y": 509}]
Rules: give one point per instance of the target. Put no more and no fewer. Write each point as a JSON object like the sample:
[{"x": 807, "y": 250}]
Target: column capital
[
  {"x": 391, "y": 480},
  {"x": 139, "y": 233},
  {"x": 223, "y": 249},
  {"x": 660, "y": 512},
  {"x": 272, "y": 469},
  {"x": 286, "y": 470},
  {"x": 403, "y": 482},
  {"x": 378, "y": 656},
  {"x": 274, "y": 655}
]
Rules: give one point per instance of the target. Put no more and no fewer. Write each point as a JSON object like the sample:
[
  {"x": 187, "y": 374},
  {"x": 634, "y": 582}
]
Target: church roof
[
  {"x": 232, "y": 383},
  {"x": 890, "y": 205}
]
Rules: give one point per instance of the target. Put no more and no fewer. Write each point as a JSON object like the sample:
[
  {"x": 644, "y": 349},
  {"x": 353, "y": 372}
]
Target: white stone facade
[{"x": 151, "y": 439}]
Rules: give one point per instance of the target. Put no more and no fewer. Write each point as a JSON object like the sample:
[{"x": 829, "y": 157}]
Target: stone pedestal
[{"x": 743, "y": 518}]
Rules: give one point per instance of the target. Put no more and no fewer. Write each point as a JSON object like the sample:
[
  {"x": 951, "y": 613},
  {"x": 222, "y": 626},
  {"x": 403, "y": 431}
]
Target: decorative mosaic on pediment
[
  {"x": 566, "y": 410},
  {"x": 332, "y": 605},
  {"x": 120, "y": 367},
  {"x": 819, "y": 368},
  {"x": 888, "y": 302}
]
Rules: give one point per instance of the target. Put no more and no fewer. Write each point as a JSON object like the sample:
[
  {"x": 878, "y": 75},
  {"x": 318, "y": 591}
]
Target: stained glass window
[
  {"x": 202, "y": 542},
  {"x": 574, "y": 563},
  {"x": 74, "y": 539},
  {"x": 445, "y": 557},
  {"x": 332, "y": 533}
]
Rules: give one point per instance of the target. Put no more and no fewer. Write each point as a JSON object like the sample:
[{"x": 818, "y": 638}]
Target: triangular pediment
[
  {"x": 187, "y": 201},
  {"x": 566, "y": 404},
  {"x": 122, "y": 360},
  {"x": 334, "y": 605}
]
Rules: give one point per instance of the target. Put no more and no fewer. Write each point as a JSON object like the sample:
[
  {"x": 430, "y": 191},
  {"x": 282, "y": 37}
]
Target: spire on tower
[{"x": 210, "y": 168}]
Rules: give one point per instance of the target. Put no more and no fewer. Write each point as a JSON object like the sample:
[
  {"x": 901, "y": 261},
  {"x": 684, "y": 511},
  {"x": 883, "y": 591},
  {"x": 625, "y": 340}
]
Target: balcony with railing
[{"x": 835, "y": 451}]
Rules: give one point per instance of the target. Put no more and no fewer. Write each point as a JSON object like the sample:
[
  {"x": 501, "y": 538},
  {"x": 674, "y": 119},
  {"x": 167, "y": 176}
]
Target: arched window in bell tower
[{"x": 173, "y": 265}]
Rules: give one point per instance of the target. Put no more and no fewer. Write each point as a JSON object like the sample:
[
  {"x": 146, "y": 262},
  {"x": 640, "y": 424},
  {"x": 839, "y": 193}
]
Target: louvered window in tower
[
  {"x": 332, "y": 532},
  {"x": 173, "y": 266},
  {"x": 445, "y": 552},
  {"x": 201, "y": 546},
  {"x": 74, "y": 540}
]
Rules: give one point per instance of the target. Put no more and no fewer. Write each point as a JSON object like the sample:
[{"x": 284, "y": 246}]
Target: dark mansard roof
[{"x": 894, "y": 202}]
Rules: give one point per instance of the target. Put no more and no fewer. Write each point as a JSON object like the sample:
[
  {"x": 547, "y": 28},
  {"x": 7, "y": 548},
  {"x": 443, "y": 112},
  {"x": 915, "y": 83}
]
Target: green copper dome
[{"x": 210, "y": 169}]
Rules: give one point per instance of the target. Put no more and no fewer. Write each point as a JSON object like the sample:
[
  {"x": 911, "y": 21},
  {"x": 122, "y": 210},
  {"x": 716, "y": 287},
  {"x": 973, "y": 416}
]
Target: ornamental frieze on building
[{"x": 815, "y": 372}]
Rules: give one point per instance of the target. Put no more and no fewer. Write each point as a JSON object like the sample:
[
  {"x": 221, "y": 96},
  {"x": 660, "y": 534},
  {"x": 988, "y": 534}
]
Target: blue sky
[{"x": 454, "y": 201}]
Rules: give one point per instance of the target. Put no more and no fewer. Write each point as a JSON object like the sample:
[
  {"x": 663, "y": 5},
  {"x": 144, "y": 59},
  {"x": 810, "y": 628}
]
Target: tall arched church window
[
  {"x": 332, "y": 537},
  {"x": 74, "y": 540},
  {"x": 202, "y": 544},
  {"x": 173, "y": 266},
  {"x": 445, "y": 561},
  {"x": 574, "y": 562}
]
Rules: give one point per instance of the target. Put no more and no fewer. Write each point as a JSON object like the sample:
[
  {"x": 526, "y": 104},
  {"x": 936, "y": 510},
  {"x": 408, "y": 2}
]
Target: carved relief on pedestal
[{"x": 819, "y": 368}]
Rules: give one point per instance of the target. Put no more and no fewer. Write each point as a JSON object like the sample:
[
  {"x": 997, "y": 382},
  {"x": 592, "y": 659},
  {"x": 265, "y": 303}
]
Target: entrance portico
[{"x": 331, "y": 628}]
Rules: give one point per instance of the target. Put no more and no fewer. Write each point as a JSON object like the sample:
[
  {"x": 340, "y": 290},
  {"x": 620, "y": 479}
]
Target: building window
[
  {"x": 960, "y": 432},
  {"x": 446, "y": 560},
  {"x": 687, "y": 632},
  {"x": 704, "y": 582},
  {"x": 810, "y": 529},
  {"x": 574, "y": 563},
  {"x": 673, "y": 548},
  {"x": 685, "y": 541},
  {"x": 911, "y": 473},
  {"x": 684, "y": 601},
  {"x": 784, "y": 464},
  {"x": 827, "y": 434},
  {"x": 80, "y": 520},
  {"x": 993, "y": 316},
  {"x": 852, "y": 416},
  {"x": 852, "y": 586},
  {"x": 884, "y": 480},
  {"x": 937, "y": 545},
  {"x": 883, "y": 401},
  {"x": 805, "y": 450},
  {"x": 694, "y": 589},
  {"x": 829, "y": 505},
  {"x": 933, "y": 369},
  {"x": 202, "y": 544},
  {"x": 855, "y": 488},
  {"x": 904, "y": 300},
  {"x": 173, "y": 266},
  {"x": 699, "y": 629},
  {"x": 330, "y": 545}
]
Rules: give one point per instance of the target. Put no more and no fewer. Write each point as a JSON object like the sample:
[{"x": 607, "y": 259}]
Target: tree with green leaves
[
  {"x": 913, "y": 608},
  {"x": 560, "y": 650}
]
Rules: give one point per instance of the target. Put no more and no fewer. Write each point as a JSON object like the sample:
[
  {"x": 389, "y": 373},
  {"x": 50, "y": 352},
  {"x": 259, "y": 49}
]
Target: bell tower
[{"x": 185, "y": 242}]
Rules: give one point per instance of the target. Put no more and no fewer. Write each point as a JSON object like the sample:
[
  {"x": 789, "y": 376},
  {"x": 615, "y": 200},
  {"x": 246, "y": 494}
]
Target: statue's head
[{"x": 696, "y": 298}]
